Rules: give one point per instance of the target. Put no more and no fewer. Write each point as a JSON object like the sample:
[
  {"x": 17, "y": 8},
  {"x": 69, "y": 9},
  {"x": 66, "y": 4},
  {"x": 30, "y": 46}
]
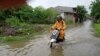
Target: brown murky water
[{"x": 79, "y": 42}]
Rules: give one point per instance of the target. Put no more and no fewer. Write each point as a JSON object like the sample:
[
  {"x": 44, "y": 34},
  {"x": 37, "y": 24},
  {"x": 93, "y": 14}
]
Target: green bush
[
  {"x": 13, "y": 22},
  {"x": 44, "y": 16},
  {"x": 27, "y": 14}
]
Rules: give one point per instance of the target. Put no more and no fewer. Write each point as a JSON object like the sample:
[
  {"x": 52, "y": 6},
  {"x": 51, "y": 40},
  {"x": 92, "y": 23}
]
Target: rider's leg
[{"x": 62, "y": 34}]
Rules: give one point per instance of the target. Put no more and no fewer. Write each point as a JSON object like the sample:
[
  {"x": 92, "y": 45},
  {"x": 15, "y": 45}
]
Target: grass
[
  {"x": 25, "y": 33},
  {"x": 96, "y": 27}
]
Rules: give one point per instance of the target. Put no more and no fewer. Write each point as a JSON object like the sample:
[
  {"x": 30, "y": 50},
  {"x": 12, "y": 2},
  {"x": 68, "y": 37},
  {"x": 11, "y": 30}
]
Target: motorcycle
[{"x": 54, "y": 36}]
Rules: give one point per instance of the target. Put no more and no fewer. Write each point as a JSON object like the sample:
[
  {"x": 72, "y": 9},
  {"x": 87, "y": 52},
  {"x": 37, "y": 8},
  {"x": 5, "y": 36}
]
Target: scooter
[{"x": 54, "y": 36}]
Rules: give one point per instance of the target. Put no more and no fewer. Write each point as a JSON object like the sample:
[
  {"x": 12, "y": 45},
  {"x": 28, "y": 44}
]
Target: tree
[
  {"x": 41, "y": 15},
  {"x": 81, "y": 11},
  {"x": 95, "y": 10},
  {"x": 51, "y": 15},
  {"x": 27, "y": 14}
]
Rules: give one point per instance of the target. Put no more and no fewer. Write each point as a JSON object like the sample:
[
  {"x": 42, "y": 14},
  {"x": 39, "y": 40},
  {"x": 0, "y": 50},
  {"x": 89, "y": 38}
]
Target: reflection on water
[{"x": 57, "y": 51}]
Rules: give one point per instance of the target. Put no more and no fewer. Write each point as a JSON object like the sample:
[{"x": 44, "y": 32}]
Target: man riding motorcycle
[{"x": 60, "y": 25}]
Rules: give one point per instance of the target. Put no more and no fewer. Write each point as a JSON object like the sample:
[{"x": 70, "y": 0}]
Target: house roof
[{"x": 62, "y": 9}]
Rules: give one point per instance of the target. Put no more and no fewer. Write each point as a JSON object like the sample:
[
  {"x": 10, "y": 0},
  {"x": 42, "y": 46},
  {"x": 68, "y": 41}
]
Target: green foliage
[
  {"x": 1, "y": 15},
  {"x": 28, "y": 14},
  {"x": 51, "y": 15},
  {"x": 13, "y": 22},
  {"x": 43, "y": 16},
  {"x": 8, "y": 39},
  {"x": 95, "y": 9},
  {"x": 81, "y": 11},
  {"x": 97, "y": 29},
  {"x": 39, "y": 15}
]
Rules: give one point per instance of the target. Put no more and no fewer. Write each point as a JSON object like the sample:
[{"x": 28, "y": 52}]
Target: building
[{"x": 66, "y": 12}]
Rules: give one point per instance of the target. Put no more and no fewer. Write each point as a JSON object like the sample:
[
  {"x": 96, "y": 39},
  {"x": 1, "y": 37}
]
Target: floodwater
[{"x": 79, "y": 42}]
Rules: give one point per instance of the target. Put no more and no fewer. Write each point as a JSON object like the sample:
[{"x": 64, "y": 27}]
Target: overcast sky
[{"x": 54, "y": 3}]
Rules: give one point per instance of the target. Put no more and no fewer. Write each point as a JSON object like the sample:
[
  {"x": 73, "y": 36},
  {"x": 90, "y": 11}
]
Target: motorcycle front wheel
[{"x": 51, "y": 44}]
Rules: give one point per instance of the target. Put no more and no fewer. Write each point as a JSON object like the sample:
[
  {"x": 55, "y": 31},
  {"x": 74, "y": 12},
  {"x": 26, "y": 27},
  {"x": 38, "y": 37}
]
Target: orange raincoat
[{"x": 60, "y": 26}]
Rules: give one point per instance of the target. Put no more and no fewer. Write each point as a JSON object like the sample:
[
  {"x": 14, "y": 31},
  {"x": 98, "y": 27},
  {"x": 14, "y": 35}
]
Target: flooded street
[{"x": 79, "y": 42}]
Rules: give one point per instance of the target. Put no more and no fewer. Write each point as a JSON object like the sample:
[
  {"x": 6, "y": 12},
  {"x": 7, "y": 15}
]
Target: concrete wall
[{"x": 69, "y": 17}]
